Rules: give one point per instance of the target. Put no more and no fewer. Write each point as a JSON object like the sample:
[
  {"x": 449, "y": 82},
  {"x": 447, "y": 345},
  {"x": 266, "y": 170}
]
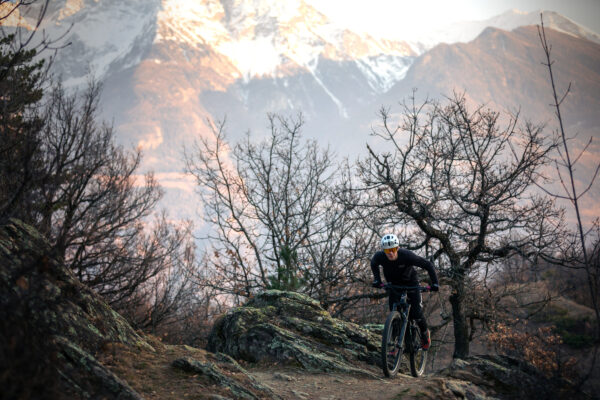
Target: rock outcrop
[
  {"x": 58, "y": 338},
  {"x": 293, "y": 329},
  {"x": 239, "y": 390},
  {"x": 52, "y": 325}
]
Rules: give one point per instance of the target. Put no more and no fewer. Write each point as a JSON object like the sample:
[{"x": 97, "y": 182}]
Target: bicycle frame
[
  {"x": 403, "y": 307},
  {"x": 407, "y": 330}
]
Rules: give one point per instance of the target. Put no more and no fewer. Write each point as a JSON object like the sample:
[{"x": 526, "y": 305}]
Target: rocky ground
[
  {"x": 60, "y": 340},
  {"x": 298, "y": 384},
  {"x": 154, "y": 376}
]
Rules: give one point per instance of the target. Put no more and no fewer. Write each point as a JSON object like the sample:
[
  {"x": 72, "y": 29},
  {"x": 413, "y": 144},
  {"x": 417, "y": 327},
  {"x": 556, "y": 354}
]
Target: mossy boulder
[
  {"x": 291, "y": 328},
  {"x": 60, "y": 340},
  {"x": 52, "y": 325},
  {"x": 35, "y": 282}
]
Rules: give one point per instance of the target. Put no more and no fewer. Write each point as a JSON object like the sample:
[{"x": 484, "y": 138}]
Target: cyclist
[{"x": 398, "y": 269}]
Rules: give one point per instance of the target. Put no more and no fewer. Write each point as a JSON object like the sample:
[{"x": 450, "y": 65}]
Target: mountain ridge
[
  {"x": 161, "y": 89},
  {"x": 516, "y": 58},
  {"x": 257, "y": 39},
  {"x": 509, "y": 20}
]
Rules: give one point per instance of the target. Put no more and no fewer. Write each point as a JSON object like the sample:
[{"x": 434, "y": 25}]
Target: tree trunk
[{"x": 461, "y": 328}]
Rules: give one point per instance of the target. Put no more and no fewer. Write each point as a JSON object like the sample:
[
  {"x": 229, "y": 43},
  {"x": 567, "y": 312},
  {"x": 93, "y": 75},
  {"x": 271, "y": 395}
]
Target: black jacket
[{"x": 401, "y": 271}]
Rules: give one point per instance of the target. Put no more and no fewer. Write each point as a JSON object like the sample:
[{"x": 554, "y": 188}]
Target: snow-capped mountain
[
  {"x": 99, "y": 37},
  {"x": 168, "y": 65},
  {"x": 275, "y": 39},
  {"x": 252, "y": 39},
  {"x": 258, "y": 38}
]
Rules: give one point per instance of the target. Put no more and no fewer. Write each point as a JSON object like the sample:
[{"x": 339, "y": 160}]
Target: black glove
[
  {"x": 435, "y": 287},
  {"x": 377, "y": 284}
]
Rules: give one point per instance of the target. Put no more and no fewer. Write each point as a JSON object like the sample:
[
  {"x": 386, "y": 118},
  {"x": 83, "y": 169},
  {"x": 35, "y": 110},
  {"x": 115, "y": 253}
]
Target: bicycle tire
[
  {"x": 391, "y": 343},
  {"x": 417, "y": 356}
]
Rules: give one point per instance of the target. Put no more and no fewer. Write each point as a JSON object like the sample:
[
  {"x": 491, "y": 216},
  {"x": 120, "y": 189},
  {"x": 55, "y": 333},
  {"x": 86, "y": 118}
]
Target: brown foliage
[{"x": 540, "y": 348}]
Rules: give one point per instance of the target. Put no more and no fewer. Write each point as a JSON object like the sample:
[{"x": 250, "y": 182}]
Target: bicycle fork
[{"x": 404, "y": 327}]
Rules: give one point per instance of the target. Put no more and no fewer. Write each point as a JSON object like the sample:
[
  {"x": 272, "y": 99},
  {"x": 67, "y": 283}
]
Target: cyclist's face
[{"x": 391, "y": 254}]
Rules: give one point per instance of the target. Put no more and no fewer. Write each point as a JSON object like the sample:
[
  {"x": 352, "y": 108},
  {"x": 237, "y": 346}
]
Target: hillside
[
  {"x": 504, "y": 71},
  {"x": 62, "y": 341}
]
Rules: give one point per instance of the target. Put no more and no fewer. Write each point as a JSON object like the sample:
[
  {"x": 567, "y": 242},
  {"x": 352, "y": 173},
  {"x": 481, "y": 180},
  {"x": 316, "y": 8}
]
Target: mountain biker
[{"x": 398, "y": 269}]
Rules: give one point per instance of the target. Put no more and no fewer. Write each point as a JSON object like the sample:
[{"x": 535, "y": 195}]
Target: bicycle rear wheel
[
  {"x": 391, "y": 343},
  {"x": 417, "y": 356}
]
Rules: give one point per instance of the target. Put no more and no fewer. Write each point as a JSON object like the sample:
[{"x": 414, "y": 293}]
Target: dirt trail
[
  {"x": 152, "y": 375},
  {"x": 294, "y": 384}
]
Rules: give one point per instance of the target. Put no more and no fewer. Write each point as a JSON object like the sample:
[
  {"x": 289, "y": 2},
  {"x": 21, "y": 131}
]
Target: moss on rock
[
  {"x": 292, "y": 328},
  {"x": 51, "y": 319}
]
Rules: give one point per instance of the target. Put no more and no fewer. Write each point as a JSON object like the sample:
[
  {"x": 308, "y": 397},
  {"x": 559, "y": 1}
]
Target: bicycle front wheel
[
  {"x": 417, "y": 356},
  {"x": 391, "y": 343}
]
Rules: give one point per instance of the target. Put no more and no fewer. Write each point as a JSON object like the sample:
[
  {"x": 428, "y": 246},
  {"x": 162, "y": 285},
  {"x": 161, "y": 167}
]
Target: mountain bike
[{"x": 401, "y": 335}]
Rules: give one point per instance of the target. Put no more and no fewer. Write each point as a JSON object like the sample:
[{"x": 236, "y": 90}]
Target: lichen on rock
[
  {"x": 51, "y": 319},
  {"x": 292, "y": 328}
]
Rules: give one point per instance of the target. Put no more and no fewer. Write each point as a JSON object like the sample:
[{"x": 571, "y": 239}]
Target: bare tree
[
  {"x": 160, "y": 304},
  {"x": 565, "y": 166},
  {"x": 61, "y": 172},
  {"x": 275, "y": 218},
  {"x": 81, "y": 191},
  {"x": 455, "y": 182},
  {"x": 577, "y": 255}
]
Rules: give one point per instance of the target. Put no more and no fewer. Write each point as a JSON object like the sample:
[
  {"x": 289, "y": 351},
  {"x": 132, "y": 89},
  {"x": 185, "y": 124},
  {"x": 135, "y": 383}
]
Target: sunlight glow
[
  {"x": 401, "y": 18},
  {"x": 254, "y": 57},
  {"x": 404, "y": 19}
]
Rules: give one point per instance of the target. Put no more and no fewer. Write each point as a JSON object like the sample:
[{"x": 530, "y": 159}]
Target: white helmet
[{"x": 389, "y": 241}]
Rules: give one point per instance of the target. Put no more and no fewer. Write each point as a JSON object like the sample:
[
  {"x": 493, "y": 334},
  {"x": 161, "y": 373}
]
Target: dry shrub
[{"x": 540, "y": 348}]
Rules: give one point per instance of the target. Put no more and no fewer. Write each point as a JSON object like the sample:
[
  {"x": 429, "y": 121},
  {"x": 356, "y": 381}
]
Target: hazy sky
[{"x": 404, "y": 17}]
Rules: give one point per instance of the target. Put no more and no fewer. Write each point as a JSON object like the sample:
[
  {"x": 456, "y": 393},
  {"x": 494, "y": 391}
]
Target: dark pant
[{"x": 416, "y": 307}]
